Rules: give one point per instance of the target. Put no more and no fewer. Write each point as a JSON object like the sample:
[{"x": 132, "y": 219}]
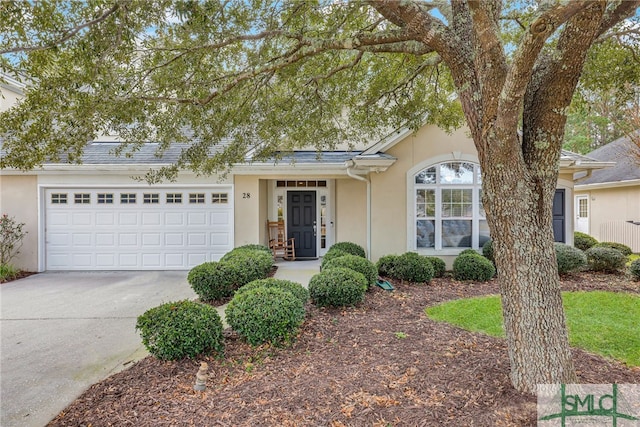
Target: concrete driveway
[{"x": 63, "y": 332}]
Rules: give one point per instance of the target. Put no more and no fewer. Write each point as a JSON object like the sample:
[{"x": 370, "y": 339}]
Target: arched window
[{"x": 448, "y": 207}]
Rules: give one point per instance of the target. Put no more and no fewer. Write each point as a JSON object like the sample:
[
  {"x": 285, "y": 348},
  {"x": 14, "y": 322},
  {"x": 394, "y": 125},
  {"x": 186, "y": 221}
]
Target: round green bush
[
  {"x": 487, "y": 250},
  {"x": 214, "y": 280},
  {"x": 251, "y": 264},
  {"x": 634, "y": 269},
  {"x": 350, "y": 248},
  {"x": 439, "y": 266},
  {"x": 473, "y": 267},
  {"x": 356, "y": 263},
  {"x": 626, "y": 250},
  {"x": 386, "y": 265},
  {"x": 414, "y": 268},
  {"x": 569, "y": 258},
  {"x": 296, "y": 289},
  {"x": 337, "y": 287},
  {"x": 331, "y": 254},
  {"x": 265, "y": 315},
  {"x": 254, "y": 247},
  {"x": 181, "y": 329},
  {"x": 583, "y": 241},
  {"x": 605, "y": 259},
  {"x": 469, "y": 251}
]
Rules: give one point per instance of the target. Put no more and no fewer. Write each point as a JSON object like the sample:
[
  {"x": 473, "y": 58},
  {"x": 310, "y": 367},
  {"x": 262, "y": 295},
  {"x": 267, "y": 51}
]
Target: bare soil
[{"x": 383, "y": 363}]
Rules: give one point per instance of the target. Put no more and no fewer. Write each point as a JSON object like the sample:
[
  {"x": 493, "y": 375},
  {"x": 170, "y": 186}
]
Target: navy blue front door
[{"x": 301, "y": 222}]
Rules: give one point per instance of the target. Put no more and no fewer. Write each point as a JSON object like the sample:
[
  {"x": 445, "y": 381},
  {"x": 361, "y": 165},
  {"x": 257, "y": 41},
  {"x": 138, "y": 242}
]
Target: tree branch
[{"x": 66, "y": 35}]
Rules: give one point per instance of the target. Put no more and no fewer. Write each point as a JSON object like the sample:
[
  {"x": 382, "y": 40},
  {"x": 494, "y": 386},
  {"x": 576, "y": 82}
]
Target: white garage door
[{"x": 136, "y": 228}]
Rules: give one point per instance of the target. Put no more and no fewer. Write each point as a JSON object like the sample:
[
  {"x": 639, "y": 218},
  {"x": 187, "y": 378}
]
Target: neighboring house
[{"x": 607, "y": 201}]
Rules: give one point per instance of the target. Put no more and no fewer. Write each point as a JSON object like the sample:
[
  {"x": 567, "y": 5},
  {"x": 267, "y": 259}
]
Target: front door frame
[
  {"x": 578, "y": 225},
  {"x": 325, "y": 211}
]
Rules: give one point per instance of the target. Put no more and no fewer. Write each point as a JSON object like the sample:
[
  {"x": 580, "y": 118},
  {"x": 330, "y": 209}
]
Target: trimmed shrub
[
  {"x": 386, "y": 265},
  {"x": 254, "y": 247},
  {"x": 181, "y": 329},
  {"x": 605, "y": 259},
  {"x": 356, "y": 263},
  {"x": 439, "y": 266},
  {"x": 626, "y": 250},
  {"x": 337, "y": 287},
  {"x": 214, "y": 280},
  {"x": 473, "y": 267},
  {"x": 469, "y": 251},
  {"x": 350, "y": 248},
  {"x": 251, "y": 264},
  {"x": 414, "y": 268},
  {"x": 265, "y": 315},
  {"x": 296, "y": 289},
  {"x": 569, "y": 258},
  {"x": 634, "y": 269},
  {"x": 583, "y": 241},
  {"x": 487, "y": 250},
  {"x": 331, "y": 254}
]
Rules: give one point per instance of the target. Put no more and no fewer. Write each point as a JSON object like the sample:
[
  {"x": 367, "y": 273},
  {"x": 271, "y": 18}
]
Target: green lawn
[{"x": 606, "y": 323}]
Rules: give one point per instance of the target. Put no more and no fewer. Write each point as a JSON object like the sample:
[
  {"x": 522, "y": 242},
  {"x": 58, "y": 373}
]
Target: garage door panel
[
  {"x": 128, "y": 259},
  {"x": 197, "y": 218},
  {"x": 174, "y": 219},
  {"x": 136, "y": 235},
  {"x": 152, "y": 240},
  {"x": 197, "y": 239},
  {"x": 58, "y": 218},
  {"x": 151, "y": 260},
  {"x": 58, "y": 239},
  {"x": 127, "y": 239},
  {"x": 83, "y": 260},
  {"x": 81, "y": 218},
  {"x": 82, "y": 239},
  {"x": 105, "y": 240},
  {"x": 220, "y": 218},
  {"x": 174, "y": 260},
  {"x": 106, "y": 261},
  {"x": 105, "y": 218},
  {"x": 151, "y": 218}
]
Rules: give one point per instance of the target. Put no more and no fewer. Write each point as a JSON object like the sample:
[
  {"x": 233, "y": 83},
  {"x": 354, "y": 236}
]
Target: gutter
[{"x": 350, "y": 166}]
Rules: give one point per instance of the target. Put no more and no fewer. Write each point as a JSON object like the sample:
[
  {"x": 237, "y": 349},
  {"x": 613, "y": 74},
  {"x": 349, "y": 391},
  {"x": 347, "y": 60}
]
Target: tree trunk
[{"x": 519, "y": 214}]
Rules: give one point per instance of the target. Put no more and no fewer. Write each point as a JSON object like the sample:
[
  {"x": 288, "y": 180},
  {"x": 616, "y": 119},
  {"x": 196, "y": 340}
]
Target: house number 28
[{"x": 246, "y": 195}]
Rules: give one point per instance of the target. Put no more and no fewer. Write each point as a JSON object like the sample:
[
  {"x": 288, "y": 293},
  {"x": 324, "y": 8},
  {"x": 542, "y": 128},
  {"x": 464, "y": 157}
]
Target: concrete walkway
[
  {"x": 63, "y": 332},
  {"x": 297, "y": 271}
]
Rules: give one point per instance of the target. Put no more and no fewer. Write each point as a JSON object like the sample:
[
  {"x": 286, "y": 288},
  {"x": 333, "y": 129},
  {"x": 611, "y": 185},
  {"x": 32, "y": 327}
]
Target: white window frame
[{"x": 412, "y": 214}]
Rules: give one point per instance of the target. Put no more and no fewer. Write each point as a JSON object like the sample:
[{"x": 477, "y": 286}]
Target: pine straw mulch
[{"x": 382, "y": 363}]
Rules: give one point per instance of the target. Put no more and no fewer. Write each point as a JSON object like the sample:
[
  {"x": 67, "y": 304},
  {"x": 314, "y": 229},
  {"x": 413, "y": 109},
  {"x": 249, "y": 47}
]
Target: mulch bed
[{"x": 383, "y": 363}]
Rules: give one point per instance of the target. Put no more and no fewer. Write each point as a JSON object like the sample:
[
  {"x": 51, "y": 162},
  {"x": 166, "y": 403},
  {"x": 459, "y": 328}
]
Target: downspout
[{"x": 350, "y": 165}]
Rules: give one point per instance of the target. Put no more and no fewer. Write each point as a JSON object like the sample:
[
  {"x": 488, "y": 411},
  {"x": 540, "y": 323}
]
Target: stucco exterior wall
[
  {"x": 19, "y": 199},
  {"x": 390, "y": 196},
  {"x": 351, "y": 211},
  {"x": 248, "y": 211}
]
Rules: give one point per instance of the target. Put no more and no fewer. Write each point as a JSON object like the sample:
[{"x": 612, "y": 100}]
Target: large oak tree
[{"x": 271, "y": 75}]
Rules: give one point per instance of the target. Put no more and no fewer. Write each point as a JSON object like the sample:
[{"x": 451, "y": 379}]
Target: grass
[
  {"x": 7, "y": 272},
  {"x": 632, "y": 258},
  {"x": 601, "y": 322}
]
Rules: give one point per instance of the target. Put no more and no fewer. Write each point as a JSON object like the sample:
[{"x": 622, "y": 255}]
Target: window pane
[
  {"x": 480, "y": 205},
  {"x": 456, "y": 173},
  {"x": 457, "y": 202},
  {"x": 427, "y": 176},
  {"x": 425, "y": 233},
  {"x": 456, "y": 234},
  {"x": 484, "y": 233},
  {"x": 425, "y": 203}
]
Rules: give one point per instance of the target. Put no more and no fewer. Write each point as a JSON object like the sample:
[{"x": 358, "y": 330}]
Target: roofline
[
  {"x": 388, "y": 141},
  {"x": 610, "y": 184},
  {"x": 582, "y": 165}
]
